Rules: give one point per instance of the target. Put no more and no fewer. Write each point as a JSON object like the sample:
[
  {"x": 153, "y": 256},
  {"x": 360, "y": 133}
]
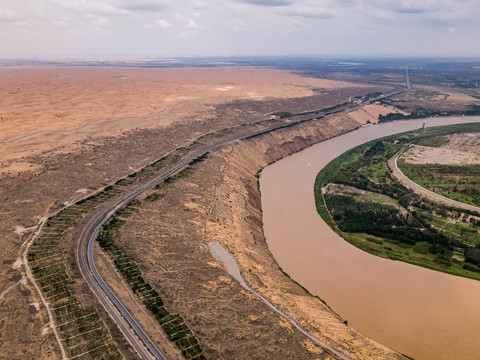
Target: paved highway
[
  {"x": 421, "y": 190},
  {"x": 132, "y": 331},
  {"x": 84, "y": 254}
]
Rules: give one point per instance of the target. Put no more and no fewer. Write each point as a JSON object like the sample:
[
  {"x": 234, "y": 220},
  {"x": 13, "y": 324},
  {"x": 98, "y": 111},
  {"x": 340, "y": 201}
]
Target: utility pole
[{"x": 407, "y": 79}]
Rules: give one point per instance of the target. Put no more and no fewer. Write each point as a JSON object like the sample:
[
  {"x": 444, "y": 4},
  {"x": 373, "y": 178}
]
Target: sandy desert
[{"x": 46, "y": 107}]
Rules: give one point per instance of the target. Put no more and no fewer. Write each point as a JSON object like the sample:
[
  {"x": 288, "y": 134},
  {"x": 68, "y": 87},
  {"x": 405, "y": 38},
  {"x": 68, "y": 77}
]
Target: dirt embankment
[
  {"x": 220, "y": 201},
  {"x": 467, "y": 142},
  {"x": 370, "y": 113}
]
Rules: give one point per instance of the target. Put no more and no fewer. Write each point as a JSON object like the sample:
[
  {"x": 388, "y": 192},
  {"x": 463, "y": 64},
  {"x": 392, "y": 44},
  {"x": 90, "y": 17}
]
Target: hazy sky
[{"x": 49, "y": 28}]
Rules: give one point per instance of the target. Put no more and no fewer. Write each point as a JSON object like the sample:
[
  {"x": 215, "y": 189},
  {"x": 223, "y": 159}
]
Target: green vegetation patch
[
  {"x": 154, "y": 196},
  {"x": 426, "y": 93},
  {"x": 408, "y": 228},
  {"x": 283, "y": 114},
  {"x": 435, "y": 141},
  {"x": 185, "y": 171}
]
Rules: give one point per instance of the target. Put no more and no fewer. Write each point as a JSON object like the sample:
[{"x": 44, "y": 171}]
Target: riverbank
[
  {"x": 220, "y": 201},
  {"x": 414, "y": 310}
]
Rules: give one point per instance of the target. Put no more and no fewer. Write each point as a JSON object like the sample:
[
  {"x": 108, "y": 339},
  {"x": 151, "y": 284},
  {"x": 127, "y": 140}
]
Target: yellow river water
[{"x": 419, "y": 312}]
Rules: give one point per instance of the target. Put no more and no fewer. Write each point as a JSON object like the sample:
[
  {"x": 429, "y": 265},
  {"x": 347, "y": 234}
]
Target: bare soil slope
[
  {"x": 370, "y": 113},
  {"x": 220, "y": 201},
  {"x": 461, "y": 149}
]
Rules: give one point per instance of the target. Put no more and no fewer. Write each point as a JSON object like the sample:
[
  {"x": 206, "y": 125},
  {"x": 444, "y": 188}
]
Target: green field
[
  {"x": 426, "y": 93},
  {"x": 461, "y": 183}
]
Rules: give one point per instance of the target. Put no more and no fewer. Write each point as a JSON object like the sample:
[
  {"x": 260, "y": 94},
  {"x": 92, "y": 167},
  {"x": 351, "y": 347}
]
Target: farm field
[{"x": 449, "y": 166}]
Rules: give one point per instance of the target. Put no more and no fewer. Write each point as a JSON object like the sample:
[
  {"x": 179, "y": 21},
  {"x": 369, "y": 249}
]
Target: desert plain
[{"x": 45, "y": 108}]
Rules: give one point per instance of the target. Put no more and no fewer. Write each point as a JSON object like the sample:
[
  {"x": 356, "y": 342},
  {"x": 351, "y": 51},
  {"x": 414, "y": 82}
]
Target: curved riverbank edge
[
  {"x": 324, "y": 178},
  {"x": 416, "y": 311},
  {"x": 227, "y": 208}
]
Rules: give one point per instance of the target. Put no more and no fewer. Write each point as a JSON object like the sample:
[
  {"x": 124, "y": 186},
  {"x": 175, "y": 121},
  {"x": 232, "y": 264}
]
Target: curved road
[
  {"x": 421, "y": 190},
  {"x": 84, "y": 254},
  {"x": 132, "y": 331}
]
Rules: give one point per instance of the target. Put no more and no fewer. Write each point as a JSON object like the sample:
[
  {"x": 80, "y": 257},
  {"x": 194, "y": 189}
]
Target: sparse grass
[
  {"x": 186, "y": 170},
  {"x": 154, "y": 196},
  {"x": 426, "y": 93},
  {"x": 173, "y": 324},
  {"x": 435, "y": 141}
]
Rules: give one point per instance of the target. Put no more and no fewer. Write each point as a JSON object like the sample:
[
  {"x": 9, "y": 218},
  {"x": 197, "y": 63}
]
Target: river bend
[{"x": 416, "y": 311}]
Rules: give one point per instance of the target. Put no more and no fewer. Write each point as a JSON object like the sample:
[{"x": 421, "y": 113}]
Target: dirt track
[{"x": 223, "y": 256}]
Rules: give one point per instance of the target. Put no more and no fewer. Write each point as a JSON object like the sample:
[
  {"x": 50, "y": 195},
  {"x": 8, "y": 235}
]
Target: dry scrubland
[
  {"x": 76, "y": 170},
  {"x": 82, "y": 128},
  {"x": 449, "y": 153}
]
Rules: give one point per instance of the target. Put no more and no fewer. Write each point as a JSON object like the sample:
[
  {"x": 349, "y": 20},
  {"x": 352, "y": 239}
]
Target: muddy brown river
[{"x": 419, "y": 312}]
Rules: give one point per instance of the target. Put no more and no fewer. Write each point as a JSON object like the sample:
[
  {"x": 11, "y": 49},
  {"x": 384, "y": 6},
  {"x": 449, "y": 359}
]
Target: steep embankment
[{"x": 220, "y": 200}]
